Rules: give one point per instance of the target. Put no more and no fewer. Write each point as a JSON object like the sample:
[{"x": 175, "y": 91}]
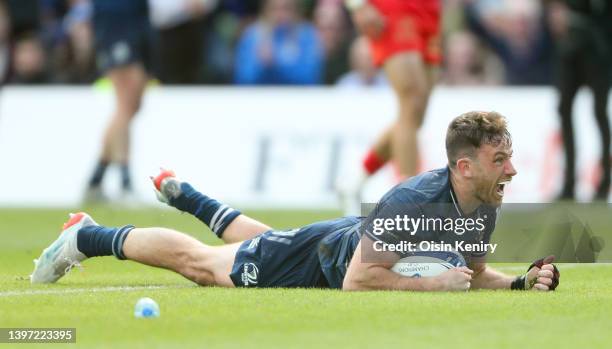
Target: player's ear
[{"x": 464, "y": 166}]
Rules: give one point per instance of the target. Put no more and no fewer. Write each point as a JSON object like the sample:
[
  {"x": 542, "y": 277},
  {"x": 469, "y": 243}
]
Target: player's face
[{"x": 494, "y": 170}]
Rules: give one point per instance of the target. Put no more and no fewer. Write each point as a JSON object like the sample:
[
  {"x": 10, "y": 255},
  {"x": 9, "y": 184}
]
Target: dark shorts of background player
[
  {"x": 122, "y": 40},
  {"x": 287, "y": 258}
]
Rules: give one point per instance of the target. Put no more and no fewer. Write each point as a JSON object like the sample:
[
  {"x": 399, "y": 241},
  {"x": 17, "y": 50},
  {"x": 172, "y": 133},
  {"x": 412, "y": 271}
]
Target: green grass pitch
[{"x": 99, "y": 301}]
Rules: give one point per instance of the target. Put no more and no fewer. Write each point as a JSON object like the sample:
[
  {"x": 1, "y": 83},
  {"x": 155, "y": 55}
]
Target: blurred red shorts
[{"x": 410, "y": 25}]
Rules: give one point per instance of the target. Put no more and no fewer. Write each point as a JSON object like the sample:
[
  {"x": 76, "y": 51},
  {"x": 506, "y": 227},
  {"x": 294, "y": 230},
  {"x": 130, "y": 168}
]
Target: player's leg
[
  {"x": 432, "y": 72},
  {"x": 228, "y": 224},
  {"x": 413, "y": 94},
  {"x": 181, "y": 253},
  {"x": 121, "y": 43},
  {"x": 568, "y": 84},
  {"x": 600, "y": 85},
  {"x": 381, "y": 150},
  {"x": 83, "y": 238},
  {"x": 382, "y": 145},
  {"x": 412, "y": 75},
  {"x": 243, "y": 228},
  {"x": 433, "y": 57},
  {"x": 408, "y": 78},
  {"x": 403, "y": 62},
  {"x": 128, "y": 82}
]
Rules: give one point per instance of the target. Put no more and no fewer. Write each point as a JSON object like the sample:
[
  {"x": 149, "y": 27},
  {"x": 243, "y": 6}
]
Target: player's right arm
[{"x": 365, "y": 275}]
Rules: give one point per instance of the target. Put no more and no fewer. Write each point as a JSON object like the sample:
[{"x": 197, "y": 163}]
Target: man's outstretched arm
[
  {"x": 541, "y": 276},
  {"x": 486, "y": 277},
  {"x": 376, "y": 275}
]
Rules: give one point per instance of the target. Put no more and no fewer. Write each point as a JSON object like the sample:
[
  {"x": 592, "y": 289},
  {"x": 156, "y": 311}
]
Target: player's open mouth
[{"x": 500, "y": 187}]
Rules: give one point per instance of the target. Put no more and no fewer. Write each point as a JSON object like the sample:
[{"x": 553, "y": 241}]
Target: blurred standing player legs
[
  {"x": 122, "y": 35},
  {"x": 584, "y": 33},
  {"x": 405, "y": 40}
]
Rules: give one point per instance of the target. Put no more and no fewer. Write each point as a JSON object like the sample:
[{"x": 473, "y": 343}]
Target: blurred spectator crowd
[{"x": 298, "y": 42}]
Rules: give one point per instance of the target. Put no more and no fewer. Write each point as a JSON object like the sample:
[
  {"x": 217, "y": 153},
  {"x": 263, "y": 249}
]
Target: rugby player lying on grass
[{"x": 323, "y": 254}]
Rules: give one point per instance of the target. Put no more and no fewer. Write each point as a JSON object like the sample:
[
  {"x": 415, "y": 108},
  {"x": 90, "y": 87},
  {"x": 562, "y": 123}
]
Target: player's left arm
[{"x": 542, "y": 275}]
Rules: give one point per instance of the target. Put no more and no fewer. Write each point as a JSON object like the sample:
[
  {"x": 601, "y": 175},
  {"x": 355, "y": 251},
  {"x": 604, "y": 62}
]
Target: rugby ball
[{"x": 428, "y": 264}]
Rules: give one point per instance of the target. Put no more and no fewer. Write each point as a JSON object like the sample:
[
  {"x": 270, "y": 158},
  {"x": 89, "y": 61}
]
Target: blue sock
[
  {"x": 98, "y": 174},
  {"x": 96, "y": 240},
  {"x": 215, "y": 215},
  {"x": 126, "y": 181}
]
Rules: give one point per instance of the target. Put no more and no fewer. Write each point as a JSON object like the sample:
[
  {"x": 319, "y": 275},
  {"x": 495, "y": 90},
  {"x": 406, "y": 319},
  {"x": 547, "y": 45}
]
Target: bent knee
[
  {"x": 198, "y": 275},
  {"x": 193, "y": 266}
]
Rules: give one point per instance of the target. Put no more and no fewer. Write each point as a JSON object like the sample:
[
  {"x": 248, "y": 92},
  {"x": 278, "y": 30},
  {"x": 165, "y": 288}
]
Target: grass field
[{"x": 99, "y": 301}]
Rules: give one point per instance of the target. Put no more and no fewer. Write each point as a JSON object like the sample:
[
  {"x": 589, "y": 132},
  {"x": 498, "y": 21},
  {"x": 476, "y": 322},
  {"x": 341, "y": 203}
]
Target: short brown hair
[{"x": 467, "y": 132}]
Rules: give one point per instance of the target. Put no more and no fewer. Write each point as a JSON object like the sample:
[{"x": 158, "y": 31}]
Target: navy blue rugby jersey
[{"x": 426, "y": 209}]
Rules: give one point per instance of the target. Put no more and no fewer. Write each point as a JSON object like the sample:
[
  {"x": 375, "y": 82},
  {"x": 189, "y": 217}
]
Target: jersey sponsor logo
[{"x": 250, "y": 274}]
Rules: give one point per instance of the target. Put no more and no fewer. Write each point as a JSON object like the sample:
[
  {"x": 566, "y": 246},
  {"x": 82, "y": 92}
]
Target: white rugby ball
[{"x": 428, "y": 264}]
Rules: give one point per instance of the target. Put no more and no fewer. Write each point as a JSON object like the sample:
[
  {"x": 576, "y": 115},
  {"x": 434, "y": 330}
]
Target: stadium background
[{"x": 279, "y": 145}]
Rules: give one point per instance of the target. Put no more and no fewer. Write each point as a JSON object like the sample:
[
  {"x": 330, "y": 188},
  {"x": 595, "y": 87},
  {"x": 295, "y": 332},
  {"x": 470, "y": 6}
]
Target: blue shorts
[
  {"x": 121, "y": 40},
  {"x": 288, "y": 258}
]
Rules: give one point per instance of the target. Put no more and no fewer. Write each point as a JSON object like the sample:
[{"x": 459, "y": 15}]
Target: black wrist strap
[{"x": 518, "y": 283}]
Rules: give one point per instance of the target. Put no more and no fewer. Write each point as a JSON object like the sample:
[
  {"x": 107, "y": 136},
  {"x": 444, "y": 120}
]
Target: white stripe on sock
[
  {"x": 213, "y": 221},
  {"x": 124, "y": 233},
  {"x": 113, "y": 243},
  {"x": 220, "y": 222}
]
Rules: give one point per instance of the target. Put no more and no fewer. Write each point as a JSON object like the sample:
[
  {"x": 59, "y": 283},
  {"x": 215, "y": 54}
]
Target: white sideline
[
  {"x": 166, "y": 287},
  {"x": 91, "y": 290}
]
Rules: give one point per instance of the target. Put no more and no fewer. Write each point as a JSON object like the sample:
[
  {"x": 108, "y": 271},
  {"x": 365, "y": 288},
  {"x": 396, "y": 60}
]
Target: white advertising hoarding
[{"x": 266, "y": 147}]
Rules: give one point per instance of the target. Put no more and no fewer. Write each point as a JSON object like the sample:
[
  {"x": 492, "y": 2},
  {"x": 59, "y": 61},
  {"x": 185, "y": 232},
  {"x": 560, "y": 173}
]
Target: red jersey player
[{"x": 404, "y": 39}]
